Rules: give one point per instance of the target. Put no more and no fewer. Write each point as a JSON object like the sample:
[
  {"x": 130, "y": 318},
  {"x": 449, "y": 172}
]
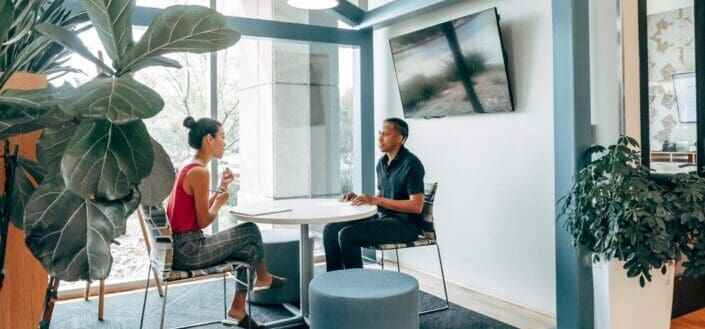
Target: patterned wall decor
[{"x": 671, "y": 50}]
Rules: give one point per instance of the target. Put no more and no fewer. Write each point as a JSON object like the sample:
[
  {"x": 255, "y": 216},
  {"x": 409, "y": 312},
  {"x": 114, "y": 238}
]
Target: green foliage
[
  {"x": 687, "y": 200},
  {"x": 75, "y": 247},
  {"x": 614, "y": 209},
  {"x": 107, "y": 159},
  {"x": 21, "y": 49}
]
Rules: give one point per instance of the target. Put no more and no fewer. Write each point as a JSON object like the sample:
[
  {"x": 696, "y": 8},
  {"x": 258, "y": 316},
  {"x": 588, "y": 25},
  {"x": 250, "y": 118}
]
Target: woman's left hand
[{"x": 226, "y": 178}]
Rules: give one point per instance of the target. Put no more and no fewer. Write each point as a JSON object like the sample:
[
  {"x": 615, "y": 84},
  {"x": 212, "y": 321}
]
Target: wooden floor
[
  {"x": 694, "y": 320},
  {"x": 493, "y": 307}
]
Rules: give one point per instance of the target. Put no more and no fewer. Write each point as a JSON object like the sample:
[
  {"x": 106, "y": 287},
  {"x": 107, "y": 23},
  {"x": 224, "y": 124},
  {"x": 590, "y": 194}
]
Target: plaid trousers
[{"x": 242, "y": 242}]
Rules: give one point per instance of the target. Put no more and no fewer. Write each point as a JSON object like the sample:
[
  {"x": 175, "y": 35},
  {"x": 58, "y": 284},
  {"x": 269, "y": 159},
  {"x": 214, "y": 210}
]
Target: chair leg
[
  {"x": 87, "y": 294},
  {"x": 250, "y": 285},
  {"x": 158, "y": 282},
  {"x": 101, "y": 300},
  {"x": 146, "y": 287},
  {"x": 166, "y": 289},
  {"x": 225, "y": 301},
  {"x": 396, "y": 251},
  {"x": 443, "y": 276},
  {"x": 382, "y": 259},
  {"x": 445, "y": 289}
]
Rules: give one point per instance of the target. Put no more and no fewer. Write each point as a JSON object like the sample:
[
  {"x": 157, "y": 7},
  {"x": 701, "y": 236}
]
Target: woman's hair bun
[{"x": 189, "y": 122}]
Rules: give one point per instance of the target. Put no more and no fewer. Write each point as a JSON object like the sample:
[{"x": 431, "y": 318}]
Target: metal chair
[
  {"x": 161, "y": 256},
  {"x": 429, "y": 238}
]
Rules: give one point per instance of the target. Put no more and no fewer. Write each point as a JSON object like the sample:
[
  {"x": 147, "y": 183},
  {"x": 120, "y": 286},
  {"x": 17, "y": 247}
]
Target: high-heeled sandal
[
  {"x": 245, "y": 322},
  {"x": 277, "y": 282}
]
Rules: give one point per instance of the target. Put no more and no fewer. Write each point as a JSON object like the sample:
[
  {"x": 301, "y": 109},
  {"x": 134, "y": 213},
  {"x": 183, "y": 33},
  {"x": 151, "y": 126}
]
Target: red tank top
[{"x": 181, "y": 209}]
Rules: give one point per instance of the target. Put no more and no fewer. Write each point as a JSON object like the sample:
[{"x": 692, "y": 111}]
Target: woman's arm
[{"x": 197, "y": 181}]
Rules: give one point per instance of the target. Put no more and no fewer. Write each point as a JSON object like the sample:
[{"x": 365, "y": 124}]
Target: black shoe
[{"x": 246, "y": 323}]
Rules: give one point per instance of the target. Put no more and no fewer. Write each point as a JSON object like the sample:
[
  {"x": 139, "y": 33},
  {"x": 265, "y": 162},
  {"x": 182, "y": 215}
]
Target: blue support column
[
  {"x": 367, "y": 115},
  {"x": 571, "y": 81}
]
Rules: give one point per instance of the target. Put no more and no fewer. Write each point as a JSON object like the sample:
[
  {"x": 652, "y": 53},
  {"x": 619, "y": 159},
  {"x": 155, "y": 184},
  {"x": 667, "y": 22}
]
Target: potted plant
[
  {"x": 27, "y": 61},
  {"x": 99, "y": 158},
  {"x": 687, "y": 201},
  {"x": 616, "y": 212}
]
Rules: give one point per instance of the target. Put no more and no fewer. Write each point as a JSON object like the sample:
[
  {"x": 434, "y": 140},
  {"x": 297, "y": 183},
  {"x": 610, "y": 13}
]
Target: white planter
[{"x": 621, "y": 303}]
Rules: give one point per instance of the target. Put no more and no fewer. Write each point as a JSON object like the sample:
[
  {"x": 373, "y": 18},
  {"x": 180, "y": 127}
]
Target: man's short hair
[{"x": 400, "y": 126}]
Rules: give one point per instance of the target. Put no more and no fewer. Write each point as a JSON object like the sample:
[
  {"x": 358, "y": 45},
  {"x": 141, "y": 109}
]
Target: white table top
[{"x": 306, "y": 211}]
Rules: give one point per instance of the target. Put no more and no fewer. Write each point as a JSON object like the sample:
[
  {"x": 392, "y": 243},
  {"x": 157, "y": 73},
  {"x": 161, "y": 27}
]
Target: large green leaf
[
  {"x": 71, "y": 235},
  {"x": 180, "y": 28},
  {"x": 106, "y": 159},
  {"x": 118, "y": 99},
  {"x": 33, "y": 168},
  {"x": 157, "y": 186},
  {"x": 52, "y": 144},
  {"x": 123, "y": 208},
  {"x": 21, "y": 191},
  {"x": 113, "y": 22},
  {"x": 22, "y": 188},
  {"x": 7, "y": 13},
  {"x": 22, "y": 111},
  {"x": 157, "y": 61},
  {"x": 70, "y": 40}
]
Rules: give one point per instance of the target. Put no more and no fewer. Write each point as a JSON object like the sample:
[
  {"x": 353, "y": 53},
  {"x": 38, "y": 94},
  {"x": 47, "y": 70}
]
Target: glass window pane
[
  {"x": 294, "y": 108},
  {"x": 184, "y": 93},
  {"x": 88, "y": 69},
  {"x": 672, "y": 106}
]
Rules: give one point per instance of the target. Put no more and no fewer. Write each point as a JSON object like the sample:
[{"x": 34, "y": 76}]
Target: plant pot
[
  {"x": 620, "y": 302},
  {"x": 22, "y": 295}
]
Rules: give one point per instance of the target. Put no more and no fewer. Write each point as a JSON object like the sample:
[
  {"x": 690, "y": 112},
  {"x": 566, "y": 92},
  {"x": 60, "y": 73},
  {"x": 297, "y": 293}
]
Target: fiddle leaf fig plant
[
  {"x": 21, "y": 111},
  {"x": 21, "y": 50},
  {"x": 100, "y": 159},
  {"x": 614, "y": 210}
]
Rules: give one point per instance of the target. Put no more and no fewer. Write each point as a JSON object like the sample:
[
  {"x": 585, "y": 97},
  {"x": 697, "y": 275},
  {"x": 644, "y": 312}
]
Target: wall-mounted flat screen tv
[{"x": 453, "y": 68}]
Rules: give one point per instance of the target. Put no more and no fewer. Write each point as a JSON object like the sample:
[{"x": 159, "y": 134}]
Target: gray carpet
[{"x": 203, "y": 301}]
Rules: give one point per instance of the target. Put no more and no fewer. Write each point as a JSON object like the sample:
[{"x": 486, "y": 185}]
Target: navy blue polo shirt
[{"x": 400, "y": 179}]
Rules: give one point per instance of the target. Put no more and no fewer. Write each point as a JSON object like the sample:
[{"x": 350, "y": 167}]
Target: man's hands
[
  {"x": 364, "y": 199},
  {"x": 345, "y": 197},
  {"x": 358, "y": 199}
]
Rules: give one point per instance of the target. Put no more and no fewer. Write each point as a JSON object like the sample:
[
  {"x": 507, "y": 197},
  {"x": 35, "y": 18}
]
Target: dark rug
[{"x": 203, "y": 301}]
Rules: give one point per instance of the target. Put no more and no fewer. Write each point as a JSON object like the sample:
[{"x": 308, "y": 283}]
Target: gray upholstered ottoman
[
  {"x": 363, "y": 298},
  {"x": 282, "y": 257}
]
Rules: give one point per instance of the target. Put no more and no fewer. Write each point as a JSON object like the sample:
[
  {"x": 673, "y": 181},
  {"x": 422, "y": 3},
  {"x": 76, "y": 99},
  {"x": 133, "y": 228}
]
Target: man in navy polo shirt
[{"x": 399, "y": 201}]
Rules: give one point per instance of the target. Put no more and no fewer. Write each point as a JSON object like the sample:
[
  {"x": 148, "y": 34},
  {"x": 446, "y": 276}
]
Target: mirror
[{"x": 670, "y": 38}]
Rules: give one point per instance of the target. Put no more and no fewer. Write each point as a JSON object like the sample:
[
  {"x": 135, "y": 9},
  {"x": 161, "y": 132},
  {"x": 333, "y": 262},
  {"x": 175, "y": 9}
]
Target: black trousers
[{"x": 342, "y": 241}]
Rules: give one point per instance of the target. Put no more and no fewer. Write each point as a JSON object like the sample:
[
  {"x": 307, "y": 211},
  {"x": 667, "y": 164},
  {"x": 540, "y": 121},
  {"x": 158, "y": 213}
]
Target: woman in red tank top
[{"x": 192, "y": 208}]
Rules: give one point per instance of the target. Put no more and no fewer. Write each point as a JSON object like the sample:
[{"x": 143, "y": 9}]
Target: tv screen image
[{"x": 453, "y": 68}]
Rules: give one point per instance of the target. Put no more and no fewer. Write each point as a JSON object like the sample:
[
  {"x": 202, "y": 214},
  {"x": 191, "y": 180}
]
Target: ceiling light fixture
[{"x": 312, "y": 4}]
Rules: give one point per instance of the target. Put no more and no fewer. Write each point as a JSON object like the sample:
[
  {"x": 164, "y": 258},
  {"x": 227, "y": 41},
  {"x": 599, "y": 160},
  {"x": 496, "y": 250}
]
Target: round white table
[{"x": 302, "y": 212}]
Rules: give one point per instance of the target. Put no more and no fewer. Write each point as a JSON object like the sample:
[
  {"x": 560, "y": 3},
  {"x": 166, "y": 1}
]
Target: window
[{"x": 295, "y": 104}]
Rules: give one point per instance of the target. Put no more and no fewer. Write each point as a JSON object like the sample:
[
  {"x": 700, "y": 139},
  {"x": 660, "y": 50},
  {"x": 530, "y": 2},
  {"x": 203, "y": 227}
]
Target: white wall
[
  {"x": 659, "y": 6},
  {"x": 495, "y": 203}
]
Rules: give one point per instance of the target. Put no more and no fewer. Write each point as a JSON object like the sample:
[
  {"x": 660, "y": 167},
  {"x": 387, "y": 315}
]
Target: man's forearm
[{"x": 407, "y": 206}]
